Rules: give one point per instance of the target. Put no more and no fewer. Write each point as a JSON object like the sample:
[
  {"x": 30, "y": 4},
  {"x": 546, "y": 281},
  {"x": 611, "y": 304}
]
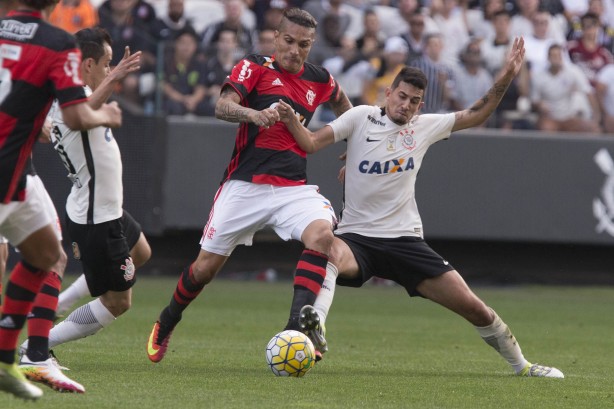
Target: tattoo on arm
[
  {"x": 229, "y": 110},
  {"x": 340, "y": 104},
  {"x": 493, "y": 96}
]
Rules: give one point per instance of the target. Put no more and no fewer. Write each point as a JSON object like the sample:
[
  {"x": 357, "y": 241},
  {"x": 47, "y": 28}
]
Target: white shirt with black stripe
[
  {"x": 94, "y": 165},
  {"x": 383, "y": 160}
]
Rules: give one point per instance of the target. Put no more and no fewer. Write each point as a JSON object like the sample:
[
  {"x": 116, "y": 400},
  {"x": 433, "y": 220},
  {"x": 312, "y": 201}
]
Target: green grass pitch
[{"x": 386, "y": 351}]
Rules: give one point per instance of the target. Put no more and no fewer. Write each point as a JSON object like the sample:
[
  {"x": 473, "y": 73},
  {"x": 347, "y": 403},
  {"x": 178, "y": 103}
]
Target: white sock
[
  {"x": 327, "y": 293},
  {"x": 72, "y": 294},
  {"x": 499, "y": 336},
  {"x": 82, "y": 322}
]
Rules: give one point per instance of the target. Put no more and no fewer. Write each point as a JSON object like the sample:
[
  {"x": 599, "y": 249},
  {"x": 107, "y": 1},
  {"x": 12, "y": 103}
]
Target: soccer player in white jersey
[
  {"x": 380, "y": 231},
  {"x": 105, "y": 238}
]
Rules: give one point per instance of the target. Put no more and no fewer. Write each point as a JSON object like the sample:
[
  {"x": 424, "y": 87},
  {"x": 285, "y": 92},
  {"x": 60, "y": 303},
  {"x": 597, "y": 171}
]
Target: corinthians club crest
[{"x": 603, "y": 208}]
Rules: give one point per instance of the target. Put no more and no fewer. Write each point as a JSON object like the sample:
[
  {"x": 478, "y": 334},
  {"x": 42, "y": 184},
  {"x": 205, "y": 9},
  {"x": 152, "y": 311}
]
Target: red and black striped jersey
[
  {"x": 271, "y": 155},
  {"x": 38, "y": 62}
]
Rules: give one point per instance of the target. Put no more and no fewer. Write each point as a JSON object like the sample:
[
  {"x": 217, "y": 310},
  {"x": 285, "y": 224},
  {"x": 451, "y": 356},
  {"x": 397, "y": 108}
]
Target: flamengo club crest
[
  {"x": 604, "y": 209},
  {"x": 311, "y": 96}
]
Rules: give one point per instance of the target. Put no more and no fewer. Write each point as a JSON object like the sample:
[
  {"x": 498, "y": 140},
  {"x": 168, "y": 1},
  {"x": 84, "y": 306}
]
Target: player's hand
[
  {"x": 114, "y": 113},
  {"x": 286, "y": 112},
  {"x": 127, "y": 65},
  {"x": 265, "y": 118},
  {"x": 341, "y": 175},
  {"x": 45, "y": 135},
  {"x": 515, "y": 57}
]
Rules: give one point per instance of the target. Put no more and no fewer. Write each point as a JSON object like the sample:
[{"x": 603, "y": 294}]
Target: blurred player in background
[{"x": 380, "y": 232}]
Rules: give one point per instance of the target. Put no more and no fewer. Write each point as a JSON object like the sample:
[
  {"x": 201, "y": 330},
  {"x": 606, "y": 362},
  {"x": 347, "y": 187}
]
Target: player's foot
[
  {"x": 13, "y": 381},
  {"x": 49, "y": 373},
  {"x": 309, "y": 321},
  {"x": 56, "y": 362},
  {"x": 158, "y": 342},
  {"x": 541, "y": 371}
]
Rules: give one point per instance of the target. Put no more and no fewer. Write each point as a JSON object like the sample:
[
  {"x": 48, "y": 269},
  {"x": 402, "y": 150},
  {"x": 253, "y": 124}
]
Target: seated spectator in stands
[
  {"x": 513, "y": 111},
  {"x": 440, "y": 88},
  {"x": 522, "y": 22},
  {"x": 350, "y": 18},
  {"x": 386, "y": 67},
  {"x": 480, "y": 21},
  {"x": 472, "y": 79},
  {"x": 328, "y": 43},
  {"x": 397, "y": 22},
  {"x": 605, "y": 96},
  {"x": 451, "y": 24},
  {"x": 219, "y": 65},
  {"x": 371, "y": 43},
  {"x": 563, "y": 97},
  {"x": 538, "y": 42},
  {"x": 184, "y": 78},
  {"x": 130, "y": 24},
  {"x": 266, "y": 42},
  {"x": 74, "y": 15},
  {"x": 415, "y": 35},
  {"x": 605, "y": 33},
  {"x": 246, "y": 36},
  {"x": 269, "y": 13},
  {"x": 586, "y": 52},
  {"x": 352, "y": 71},
  {"x": 173, "y": 23}
]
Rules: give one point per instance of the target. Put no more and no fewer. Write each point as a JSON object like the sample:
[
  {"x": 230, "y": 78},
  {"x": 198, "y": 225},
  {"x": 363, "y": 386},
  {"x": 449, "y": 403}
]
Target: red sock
[
  {"x": 40, "y": 321},
  {"x": 25, "y": 282}
]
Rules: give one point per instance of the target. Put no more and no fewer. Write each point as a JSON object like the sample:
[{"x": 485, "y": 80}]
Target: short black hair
[
  {"x": 91, "y": 42},
  {"x": 300, "y": 17},
  {"x": 410, "y": 75}
]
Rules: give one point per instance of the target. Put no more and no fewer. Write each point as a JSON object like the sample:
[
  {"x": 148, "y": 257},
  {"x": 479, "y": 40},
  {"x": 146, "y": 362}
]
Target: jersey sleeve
[
  {"x": 66, "y": 78},
  {"x": 442, "y": 127},
  {"x": 243, "y": 77},
  {"x": 343, "y": 127}
]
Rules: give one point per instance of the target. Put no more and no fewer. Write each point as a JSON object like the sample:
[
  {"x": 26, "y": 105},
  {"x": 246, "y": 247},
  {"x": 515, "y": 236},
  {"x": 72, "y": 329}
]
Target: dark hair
[
  {"x": 91, "y": 42},
  {"x": 589, "y": 16},
  {"x": 300, "y": 17},
  {"x": 501, "y": 12},
  {"x": 38, "y": 4},
  {"x": 412, "y": 76},
  {"x": 553, "y": 46}
]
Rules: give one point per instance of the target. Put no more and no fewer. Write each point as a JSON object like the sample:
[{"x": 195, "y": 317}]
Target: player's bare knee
[
  {"x": 117, "y": 305},
  {"x": 203, "y": 273},
  {"x": 141, "y": 252},
  {"x": 320, "y": 239},
  {"x": 60, "y": 265}
]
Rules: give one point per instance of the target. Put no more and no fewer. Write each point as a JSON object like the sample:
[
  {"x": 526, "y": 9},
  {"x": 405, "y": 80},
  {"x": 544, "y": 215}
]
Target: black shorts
[
  {"x": 404, "y": 260},
  {"x": 104, "y": 251}
]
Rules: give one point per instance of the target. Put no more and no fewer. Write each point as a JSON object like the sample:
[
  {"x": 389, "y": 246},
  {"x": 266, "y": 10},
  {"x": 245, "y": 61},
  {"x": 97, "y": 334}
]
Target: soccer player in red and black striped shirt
[
  {"x": 38, "y": 62},
  {"x": 264, "y": 184}
]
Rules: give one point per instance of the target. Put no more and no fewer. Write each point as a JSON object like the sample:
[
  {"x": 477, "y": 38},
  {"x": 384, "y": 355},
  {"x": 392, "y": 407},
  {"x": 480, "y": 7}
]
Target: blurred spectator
[
  {"x": 605, "y": 95},
  {"x": 415, "y": 36},
  {"x": 397, "y": 22},
  {"x": 386, "y": 67},
  {"x": 266, "y": 42},
  {"x": 352, "y": 71},
  {"x": 219, "y": 65},
  {"x": 605, "y": 33},
  {"x": 329, "y": 40},
  {"x": 246, "y": 36},
  {"x": 350, "y": 18},
  {"x": 586, "y": 52},
  {"x": 513, "y": 111},
  {"x": 371, "y": 43},
  {"x": 480, "y": 22},
  {"x": 538, "y": 43},
  {"x": 440, "y": 89},
  {"x": 451, "y": 23},
  {"x": 563, "y": 97},
  {"x": 74, "y": 15},
  {"x": 472, "y": 79},
  {"x": 184, "y": 78},
  {"x": 130, "y": 24},
  {"x": 522, "y": 23},
  {"x": 269, "y": 12},
  {"x": 173, "y": 23}
]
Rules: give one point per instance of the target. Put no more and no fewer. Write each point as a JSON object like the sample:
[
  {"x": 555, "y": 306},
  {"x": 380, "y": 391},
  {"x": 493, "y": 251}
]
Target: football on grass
[{"x": 290, "y": 353}]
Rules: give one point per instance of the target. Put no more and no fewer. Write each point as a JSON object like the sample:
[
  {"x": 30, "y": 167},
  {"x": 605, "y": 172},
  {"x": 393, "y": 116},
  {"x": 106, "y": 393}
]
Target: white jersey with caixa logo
[
  {"x": 94, "y": 166},
  {"x": 383, "y": 159}
]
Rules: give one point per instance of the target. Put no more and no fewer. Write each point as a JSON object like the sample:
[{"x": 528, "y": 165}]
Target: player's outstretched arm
[
  {"x": 340, "y": 104},
  {"x": 483, "y": 108},
  {"x": 129, "y": 63},
  {"x": 82, "y": 116},
  {"x": 309, "y": 141},
  {"x": 228, "y": 108}
]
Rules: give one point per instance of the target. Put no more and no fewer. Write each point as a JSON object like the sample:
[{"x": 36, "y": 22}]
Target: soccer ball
[{"x": 290, "y": 353}]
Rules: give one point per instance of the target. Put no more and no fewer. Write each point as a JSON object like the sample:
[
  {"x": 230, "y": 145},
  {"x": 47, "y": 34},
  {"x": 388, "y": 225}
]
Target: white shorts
[
  {"x": 18, "y": 220},
  {"x": 241, "y": 209}
]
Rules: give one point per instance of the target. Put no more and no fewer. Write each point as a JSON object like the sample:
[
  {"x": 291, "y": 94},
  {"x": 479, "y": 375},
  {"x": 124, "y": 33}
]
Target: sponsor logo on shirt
[
  {"x": 16, "y": 30},
  {"x": 71, "y": 68},
  {"x": 246, "y": 72},
  {"x": 389, "y": 166},
  {"x": 375, "y": 121}
]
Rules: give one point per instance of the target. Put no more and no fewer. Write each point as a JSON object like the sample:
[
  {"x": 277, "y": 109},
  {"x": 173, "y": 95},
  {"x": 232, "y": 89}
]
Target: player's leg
[
  {"x": 73, "y": 293},
  {"x": 452, "y": 292},
  {"x": 191, "y": 282},
  {"x": 4, "y": 256}
]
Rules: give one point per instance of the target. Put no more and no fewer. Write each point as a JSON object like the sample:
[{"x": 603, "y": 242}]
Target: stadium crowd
[{"x": 567, "y": 83}]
